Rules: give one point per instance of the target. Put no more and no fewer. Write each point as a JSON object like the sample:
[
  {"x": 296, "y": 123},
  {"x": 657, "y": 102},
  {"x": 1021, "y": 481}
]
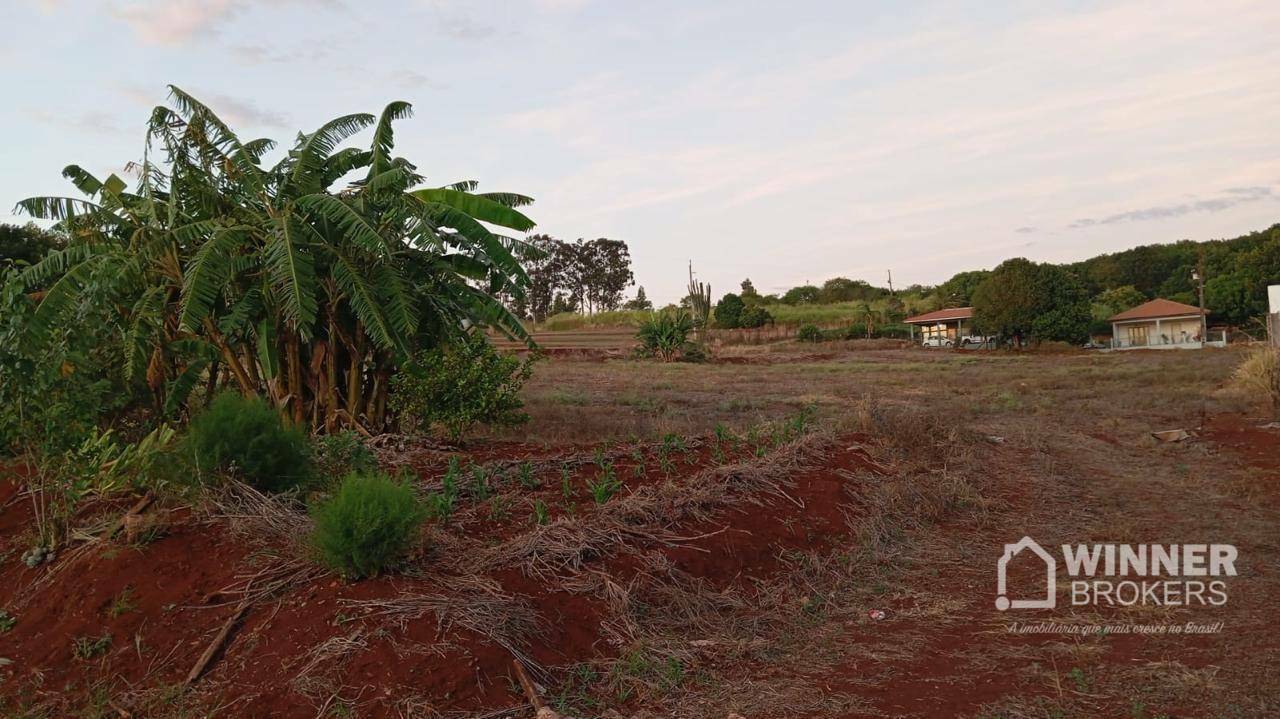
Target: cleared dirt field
[{"x": 791, "y": 532}]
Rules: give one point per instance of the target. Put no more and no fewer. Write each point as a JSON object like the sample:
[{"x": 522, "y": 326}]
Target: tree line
[
  {"x": 1026, "y": 300},
  {"x": 581, "y": 276}
]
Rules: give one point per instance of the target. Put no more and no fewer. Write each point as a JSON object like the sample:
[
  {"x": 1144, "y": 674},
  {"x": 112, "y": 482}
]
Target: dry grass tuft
[{"x": 648, "y": 515}]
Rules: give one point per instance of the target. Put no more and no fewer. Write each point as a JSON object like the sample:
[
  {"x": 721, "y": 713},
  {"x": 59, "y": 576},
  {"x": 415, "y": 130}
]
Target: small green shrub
[
  {"x": 754, "y": 316},
  {"x": 665, "y": 334},
  {"x": 85, "y": 648},
  {"x": 456, "y": 388},
  {"x": 541, "y": 514},
  {"x": 340, "y": 454},
  {"x": 809, "y": 333},
  {"x": 605, "y": 485},
  {"x": 367, "y": 526},
  {"x": 243, "y": 435},
  {"x": 728, "y": 311}
]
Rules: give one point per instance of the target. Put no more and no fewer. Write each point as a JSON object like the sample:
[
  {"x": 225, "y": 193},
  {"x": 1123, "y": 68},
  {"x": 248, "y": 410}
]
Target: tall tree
[
  {"x": 1023, "y": 300},
  {"x": 639, "y": 302},
  {"x": 607, "y": 271},
  {"x": 26, "y": 244}
]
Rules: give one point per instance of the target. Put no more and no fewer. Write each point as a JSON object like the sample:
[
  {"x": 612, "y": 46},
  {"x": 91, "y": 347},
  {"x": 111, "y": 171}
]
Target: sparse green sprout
[
  {"x": 526, "y": 476},
  {"x": 605, "y": 485},
  {"x": 440, "y": 505},
  {"x": 85, "y": 648},
  {"x": 122, "y": 603},
  {"x": 566, "y": 483},
  {"x": 499, "y": 508},
  {"x": 480, "y": 489},
  {"x": 541, "y": 514},
  {"x": 7, "y": 621},
  {"x": 722, "y": 433}
]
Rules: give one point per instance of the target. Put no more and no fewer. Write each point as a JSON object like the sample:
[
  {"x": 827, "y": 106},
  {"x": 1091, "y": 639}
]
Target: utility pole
[
  {"x": 890, "y": 281},
  {"x": 1198, "y": 276}
]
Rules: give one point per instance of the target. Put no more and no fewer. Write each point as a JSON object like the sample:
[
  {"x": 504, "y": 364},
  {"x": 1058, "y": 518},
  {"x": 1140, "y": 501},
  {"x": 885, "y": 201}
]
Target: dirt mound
[{"x": 129, "y": 621}]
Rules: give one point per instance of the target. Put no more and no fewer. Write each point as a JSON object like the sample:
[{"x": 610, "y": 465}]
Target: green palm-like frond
[
  {"x": 220, "y": 135},
  {"x": 383, "y": 136},
  {"x": 55, "y": 263},
  {"x": 470, "y": 230},
  {"x": 145, "y": 316},
  {"x": 180, "y": 388},
  {"x": 398, "y": 300},
  {"x": 510, "y": 199},
  {"x": 364, "y": 302},
  {"x": 64, "y": 208},
  {"x": 238, "y": 320},
  {"x": 312, "y": 152},
  {"x": 353, "y": 225},
  {"x": 477, "y": 207},
  {"x": 66, "y": 293},
  {"x": 293, "y": 275},
  {"x": 205, "y": 277},
  {"x": 342, "y": 162},
  {"x": 490, "y": 312},
  {"x": 82, "y": 179}
]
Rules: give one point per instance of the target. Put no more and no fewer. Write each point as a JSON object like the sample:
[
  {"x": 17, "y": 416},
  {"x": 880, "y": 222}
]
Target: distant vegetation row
[{"x": 1019, "y": 298}]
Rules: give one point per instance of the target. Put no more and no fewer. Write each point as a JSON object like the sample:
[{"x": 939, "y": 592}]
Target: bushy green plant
[
  {"x": 368, "y": 526},
  {"x": 809, "y": 333},
  {"x": 754, "y": 316},
  {"x": 339, "y": 454},
  {"x": 665, "y": 334},
  {"x": 245, "y": 436},
  {"x": 728, "y": 312},
  {"x": 456, "y": 388}
]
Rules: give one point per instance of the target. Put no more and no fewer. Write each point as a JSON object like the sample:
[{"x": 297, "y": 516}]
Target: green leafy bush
[
  {"x": 243, "y": 435},
  {"x": 728, "y": 312},
  {"x": 754, "y": 316},
  {"x": 368, "y": 526},
  {"x": 456, "y": 388},
  {"x": 665, "y": 334},
  {"x": 809, "y": 333},
  {"x": 337, "y": 455}
]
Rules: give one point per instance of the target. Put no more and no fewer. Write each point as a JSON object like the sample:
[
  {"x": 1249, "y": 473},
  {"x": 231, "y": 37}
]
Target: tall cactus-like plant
[{"x": 700, "y": 304}]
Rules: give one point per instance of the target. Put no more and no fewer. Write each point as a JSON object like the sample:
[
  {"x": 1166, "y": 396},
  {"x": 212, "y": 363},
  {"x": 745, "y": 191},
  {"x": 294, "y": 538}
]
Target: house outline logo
[{"x": 1051, "y": 573}]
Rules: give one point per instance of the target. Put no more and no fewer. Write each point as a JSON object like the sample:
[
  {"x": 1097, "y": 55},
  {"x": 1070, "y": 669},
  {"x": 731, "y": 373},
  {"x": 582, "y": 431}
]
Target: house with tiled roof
[
  {"x": 944, "y": 328},
  {"x": 1163, "y": 324}
]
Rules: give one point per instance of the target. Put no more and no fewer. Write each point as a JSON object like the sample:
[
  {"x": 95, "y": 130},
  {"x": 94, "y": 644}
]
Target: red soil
[
  {"x": 174, "y": 587},
  {"x": 169, "y": 603}
]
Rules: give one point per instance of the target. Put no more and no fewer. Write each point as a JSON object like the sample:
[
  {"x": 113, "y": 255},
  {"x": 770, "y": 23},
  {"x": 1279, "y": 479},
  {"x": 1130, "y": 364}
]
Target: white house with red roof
[
  {"x": 944, "y": 328},
  {"x": 1162, "y": 324}
]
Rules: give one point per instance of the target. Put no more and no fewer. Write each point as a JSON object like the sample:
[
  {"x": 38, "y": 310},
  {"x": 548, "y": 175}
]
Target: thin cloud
[
  {"x": 175, "y": 22},
  {"x": 1231, "y": 197},
  {"x": 241, "y": 112},
  {"x": 1025, "y": 230},
  {"x": 92, "y": 121}
]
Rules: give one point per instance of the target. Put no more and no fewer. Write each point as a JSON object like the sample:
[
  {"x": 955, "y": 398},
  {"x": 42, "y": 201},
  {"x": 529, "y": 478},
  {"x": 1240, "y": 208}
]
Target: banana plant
[{"x": 307, "y": 281}]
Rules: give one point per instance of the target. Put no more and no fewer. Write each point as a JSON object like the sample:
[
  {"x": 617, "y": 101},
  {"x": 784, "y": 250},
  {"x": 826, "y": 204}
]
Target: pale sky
[{"x": 785, "y": 142}]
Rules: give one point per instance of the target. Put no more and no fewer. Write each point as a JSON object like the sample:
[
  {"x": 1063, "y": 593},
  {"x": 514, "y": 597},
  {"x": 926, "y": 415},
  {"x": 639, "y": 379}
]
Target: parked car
[
  {"x": 937, "y": 341},
  {"x": 975, "y": 340}
]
